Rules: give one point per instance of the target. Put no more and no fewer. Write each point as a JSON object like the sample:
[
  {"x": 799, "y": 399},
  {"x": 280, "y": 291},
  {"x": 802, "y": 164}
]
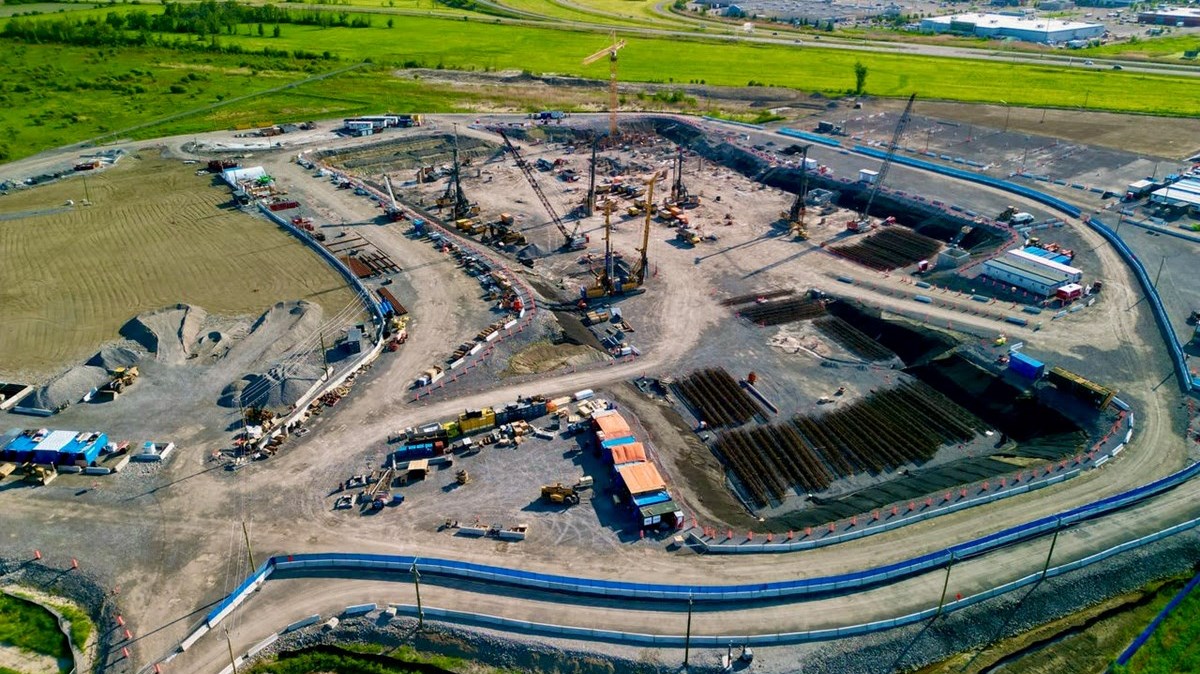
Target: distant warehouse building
[
  {"x": 1184, "y": 194},
  {"x": 1039, "y": 275},
  {"x": 1048, "y": 31},
  {"x": 1178, "y": 16}
]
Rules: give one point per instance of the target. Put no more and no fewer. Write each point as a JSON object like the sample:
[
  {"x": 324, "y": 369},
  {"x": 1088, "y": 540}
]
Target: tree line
[{"x": 204, "y": 19}]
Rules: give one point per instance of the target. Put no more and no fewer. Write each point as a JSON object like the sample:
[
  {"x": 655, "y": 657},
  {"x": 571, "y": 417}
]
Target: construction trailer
[{"x": 1025, "y": 366}]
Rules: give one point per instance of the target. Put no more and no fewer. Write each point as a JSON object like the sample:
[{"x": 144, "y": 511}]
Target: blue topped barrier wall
[
  {"x": 723, "y": 593},
  {"x": 1142, "y": 638},
  {"x": 974, "y": 177},
  {"x": 1156, "y": 306},
  {"x": 812, "y": 137}
]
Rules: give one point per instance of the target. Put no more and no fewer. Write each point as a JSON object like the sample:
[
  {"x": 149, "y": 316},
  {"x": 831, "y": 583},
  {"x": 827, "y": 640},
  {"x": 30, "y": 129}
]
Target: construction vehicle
[
  {"x": 122, "y": 378},
  {"x": 392, "y": 209},
  {"x": 44, "y": 475},
  {"x": 573, "y": 240},
  {"x": 454, "y": 198},
  {"x": 795, "y": 215},
  {"x": 611, "y": 52},
  {"x": 1006, "y": 214},
  {"x": 679, "y": 193},
  {"x": 608, "y": 282},
  {"x": 864, "y": 218},
  {"x": 462, "y": 477},
  {"x": 688, "y": 236},
  {"x": 560, "y": 494}
]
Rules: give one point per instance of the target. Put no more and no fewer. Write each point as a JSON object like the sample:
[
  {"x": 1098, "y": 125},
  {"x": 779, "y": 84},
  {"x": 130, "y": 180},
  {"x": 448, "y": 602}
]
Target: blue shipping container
[{"x": 1026, "y": 366}]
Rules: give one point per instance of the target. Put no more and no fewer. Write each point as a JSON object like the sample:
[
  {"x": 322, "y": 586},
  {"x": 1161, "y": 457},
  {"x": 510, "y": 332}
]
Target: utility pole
[
  {"x": 249, "y": 551},
  {"x": 417, "y": 583},
  {"x": 1160, "y": 268},
  {"x": 324, "y": 358},
  {"x": 687, "y": 639},
  {"x": 232, "y": 660},
  {"x": 945, "y": 585},
  {"x": 1057, "y": 528}
]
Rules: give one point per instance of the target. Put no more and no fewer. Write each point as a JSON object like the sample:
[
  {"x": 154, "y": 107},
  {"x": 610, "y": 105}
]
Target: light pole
[
  {"x": 945, "y": 585},
  {"x": 1007, "y": 112},
  {"x": 1053, "y": 541}
]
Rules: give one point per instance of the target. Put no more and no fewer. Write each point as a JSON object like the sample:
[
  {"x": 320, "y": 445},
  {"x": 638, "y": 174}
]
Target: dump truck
[{"x": 560, "y": 494}]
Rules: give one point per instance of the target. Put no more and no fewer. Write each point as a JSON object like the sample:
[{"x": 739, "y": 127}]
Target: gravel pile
[{"x": 67, "y": 388}]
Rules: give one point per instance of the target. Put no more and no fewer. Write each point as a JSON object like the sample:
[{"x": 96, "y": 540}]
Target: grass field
[
  {"x": 1175, "y": 646},
  {"x": 29, "y": 627},
  {"x": 155, "y": 235},
  {"x": 545, "y": 50},
  {"x": 1171, "y": 46},
  {"x": 367, "y": 658},
  {"x": 54, "y": 95}
]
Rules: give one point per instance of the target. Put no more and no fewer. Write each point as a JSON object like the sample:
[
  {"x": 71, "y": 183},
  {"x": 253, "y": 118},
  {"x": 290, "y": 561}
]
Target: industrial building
[
  {"x": 1176, "y": 16},
  {"x": 1182, "y": 194},
  {"x": 54, "y": 448},
  {"x": 1040, "y": 275},
  {"x": 1046, "y": 31}
]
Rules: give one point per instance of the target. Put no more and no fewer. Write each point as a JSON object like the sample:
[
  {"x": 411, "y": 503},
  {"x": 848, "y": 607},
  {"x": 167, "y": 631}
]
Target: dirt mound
[
  {"x": 545, "y": 357},
  {"x": 117, "y": 355},
  {"x": 68, "y": 387},
  {"x": 278, "y": 330},
  {"x": 168, "y": 333}
]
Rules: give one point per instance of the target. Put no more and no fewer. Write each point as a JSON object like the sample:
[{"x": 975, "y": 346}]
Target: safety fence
[
  {"x": 704, "y": 593},
  {"x": 927, "y": 507},
  {"x": 1141, "y": 639},
  {"x": 972, "y": 176},
  {"x": 721, "y": 640},
  {"x": 323, "y": 386},
  {"x": 360, "y": 289},
  {"x": 1178, "y": 358}
]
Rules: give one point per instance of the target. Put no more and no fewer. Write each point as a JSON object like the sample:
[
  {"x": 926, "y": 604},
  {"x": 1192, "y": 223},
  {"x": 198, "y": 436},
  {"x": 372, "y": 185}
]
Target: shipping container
[{"x": 1025, "y": 366}]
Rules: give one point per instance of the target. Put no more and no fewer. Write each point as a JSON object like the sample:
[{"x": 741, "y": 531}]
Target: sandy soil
[{"x": 155, "y": 235}]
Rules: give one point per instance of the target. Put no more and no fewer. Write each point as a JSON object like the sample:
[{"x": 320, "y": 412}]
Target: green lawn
[
  {"x": 54, "y": 95},
  {"x": 1171, "y": 46},
  {"x": 481, "y": 45},
  {"x": 31, "y": 627},
  {"x": 1174, "y": 647}
]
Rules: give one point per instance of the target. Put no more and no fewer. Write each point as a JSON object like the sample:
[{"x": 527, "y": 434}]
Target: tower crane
[
  {"x": 573, "y": 240},
  {"x": 611, "y": 52},
  {"x": 887, "y": 160}
]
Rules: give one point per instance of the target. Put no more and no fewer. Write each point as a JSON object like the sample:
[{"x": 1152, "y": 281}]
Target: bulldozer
[
  {"x": 558, "y": 493},
  {"x": 122, "y": 378}
]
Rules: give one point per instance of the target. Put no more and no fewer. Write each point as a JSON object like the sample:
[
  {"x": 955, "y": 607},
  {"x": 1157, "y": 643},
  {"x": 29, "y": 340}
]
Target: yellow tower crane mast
[{"x": 611, "y": 52}]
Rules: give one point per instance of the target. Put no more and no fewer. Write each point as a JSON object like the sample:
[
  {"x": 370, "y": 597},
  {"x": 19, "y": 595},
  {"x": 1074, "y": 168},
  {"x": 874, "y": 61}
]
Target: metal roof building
[
  {"x": 46, "y": 447},
  {"x": 1175, "y": 16},
  {"x": 1049, "y": 31},
  {"x": 1029, "y": 272},
  {"x": 1183, "y": 194}
]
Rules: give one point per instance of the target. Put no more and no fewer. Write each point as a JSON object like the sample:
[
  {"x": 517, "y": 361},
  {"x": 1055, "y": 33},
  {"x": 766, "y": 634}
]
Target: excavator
[{"x": 573, "y": 240}]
